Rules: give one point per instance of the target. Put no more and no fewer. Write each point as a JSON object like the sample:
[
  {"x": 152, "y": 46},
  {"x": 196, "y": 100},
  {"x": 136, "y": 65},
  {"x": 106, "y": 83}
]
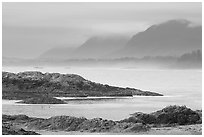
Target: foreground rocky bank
[
  {"x": 138, "y": 123},
  {"x": 30, "y": 85}
]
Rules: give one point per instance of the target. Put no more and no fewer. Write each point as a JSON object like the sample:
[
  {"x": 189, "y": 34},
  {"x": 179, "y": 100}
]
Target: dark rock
[
  {"x": 67, "y": 123},
  {"x": 10, "y": 130},
  {"x": 58, "y": 123},
  {"x": 138, "y": 122},
  {"x": 169, "y": 115},
  {"x": 199, "y": 112},
  {"x": 176, "y": 114},
  {"x": 42, "y": 100},
  {"x": 31, "y": 84},
  {"x": 144, "y": 118},
  {"x": 138, "y": 127},
  {"x": 132, "y": 120},
  {"x": 6, "y": 118}
]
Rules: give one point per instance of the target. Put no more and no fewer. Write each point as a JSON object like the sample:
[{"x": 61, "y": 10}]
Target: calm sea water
[{"x": 180, "y": 87}]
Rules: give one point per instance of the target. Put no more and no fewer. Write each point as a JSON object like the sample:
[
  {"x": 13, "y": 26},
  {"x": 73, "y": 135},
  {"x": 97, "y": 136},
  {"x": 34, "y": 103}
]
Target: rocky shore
[
  {"x": 171, "y": 117},
  {"x": 41, "y": 88},
  {"x": 8, "y": 129}
]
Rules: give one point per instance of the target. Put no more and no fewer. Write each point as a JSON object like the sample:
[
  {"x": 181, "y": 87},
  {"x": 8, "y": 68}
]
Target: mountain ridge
[
  {"x": 170, "y": 38},
  {"x": 174, "y": 37}
]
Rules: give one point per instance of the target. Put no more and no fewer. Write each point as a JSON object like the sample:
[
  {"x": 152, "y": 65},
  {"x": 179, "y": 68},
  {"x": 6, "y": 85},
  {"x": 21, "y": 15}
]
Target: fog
[{"x": 31, "y": 29}]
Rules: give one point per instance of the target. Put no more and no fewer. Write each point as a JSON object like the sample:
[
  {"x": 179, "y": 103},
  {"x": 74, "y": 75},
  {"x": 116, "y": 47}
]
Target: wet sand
[{"x": 178, "y": 130}]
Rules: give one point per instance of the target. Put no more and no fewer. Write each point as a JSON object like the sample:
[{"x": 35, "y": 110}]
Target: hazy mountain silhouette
[
  {"x": 95, "y": 47},
  {"x": 171, "y": 38},
  {"x": 99, "y": 47},
  {"x": 58, "y": 53},
  {"x": 191, "y": 60},
  {"x": 174, "y": 37}
]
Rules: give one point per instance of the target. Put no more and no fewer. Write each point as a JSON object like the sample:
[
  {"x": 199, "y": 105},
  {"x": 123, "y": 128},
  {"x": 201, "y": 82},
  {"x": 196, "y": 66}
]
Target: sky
[{"x": 29, "y": 29}]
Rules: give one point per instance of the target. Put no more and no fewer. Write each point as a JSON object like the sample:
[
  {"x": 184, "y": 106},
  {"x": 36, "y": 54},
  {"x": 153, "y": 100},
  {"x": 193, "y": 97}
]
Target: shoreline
[
  {"x": 11, "y": 101},
  {"x": 87, "y": 108}
]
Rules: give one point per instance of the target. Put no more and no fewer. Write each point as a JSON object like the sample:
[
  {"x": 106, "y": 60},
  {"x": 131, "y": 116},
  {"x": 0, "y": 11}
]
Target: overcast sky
[{"x": 29, "y": 29}]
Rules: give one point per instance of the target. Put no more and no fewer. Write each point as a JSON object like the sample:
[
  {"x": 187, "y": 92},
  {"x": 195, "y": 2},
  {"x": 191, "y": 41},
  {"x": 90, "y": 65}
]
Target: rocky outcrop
[
  {"x": 9, "y": 130},
  {"x": 180, "y": 115},
  {"x": 140, "y": 117},
  {"x": 138, "y": 122},
  {"x": 177, "y": 114},
  {"x": 29, "y": 84},
  {"x": 10, "y": 125},
  {"x": 68, "y": 123}
]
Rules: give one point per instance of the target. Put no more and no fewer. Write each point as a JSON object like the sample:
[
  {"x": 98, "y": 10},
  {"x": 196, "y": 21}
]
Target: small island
[
  {"x": 42, "y": 100},
  {"x": 33, "y": 87}
]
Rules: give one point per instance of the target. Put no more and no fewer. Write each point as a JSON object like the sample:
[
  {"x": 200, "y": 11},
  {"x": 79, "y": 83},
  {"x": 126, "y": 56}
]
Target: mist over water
[
  {"x": 124, "y": 61},
  {"x": 179, "y": 87}
]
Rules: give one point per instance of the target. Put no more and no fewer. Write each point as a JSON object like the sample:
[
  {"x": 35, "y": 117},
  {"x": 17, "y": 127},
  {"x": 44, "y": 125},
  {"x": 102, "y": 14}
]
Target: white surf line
[
  {"x": 5, "y": 101},
  {"x": 136, "y": 96},
  {"x": 101, "y": 97}
]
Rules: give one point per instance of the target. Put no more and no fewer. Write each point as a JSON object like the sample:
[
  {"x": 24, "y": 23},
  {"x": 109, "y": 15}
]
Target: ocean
[{"x": 179, "y": 87}]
